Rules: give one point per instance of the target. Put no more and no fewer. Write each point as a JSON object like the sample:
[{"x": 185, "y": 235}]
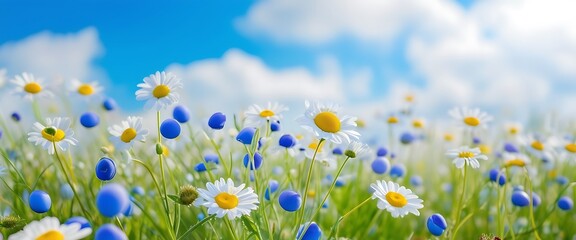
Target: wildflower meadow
[{"x": 95, "y": 172}]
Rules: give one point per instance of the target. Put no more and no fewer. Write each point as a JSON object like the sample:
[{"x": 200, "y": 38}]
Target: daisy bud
[
  {"x": 159, "y": 149},
  {"x": 350, "y": 154},
  {"x": 10, "y": 221},
  {"x": 105, "y": 150},
  {"x": 188, "y": 194}
]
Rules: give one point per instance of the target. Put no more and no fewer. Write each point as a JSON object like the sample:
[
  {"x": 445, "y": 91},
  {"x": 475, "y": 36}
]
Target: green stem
[
  {"x": 457, "y": 219},
  {"x": 163, "y": 177},
  {"x": 70, "y": 182},
  {"x": 335, "y": 227},
  {"x": 531, "y": 204},
  {"x": 197, "y": 225},
  {"x": 305, "y": 194},
  {"x": 230, "y": 228}
]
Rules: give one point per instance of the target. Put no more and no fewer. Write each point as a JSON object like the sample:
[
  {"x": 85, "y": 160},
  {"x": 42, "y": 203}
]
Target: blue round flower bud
[
  {"x": 275, "y": 126},
  {"x": 520, "y": 199},
  {"x": 381, "y": 152},
  {"x": 105, "y": 169},
  {"x": 436, "y": 224},
  {"x": 337, "y": 151},
  {"x": 312, "y": 233},
  {"x": 380, "y": 165},
  {"x": 89, "y": 120},
  {"x": 16, "y": 116},
  {"x": 138, "y": 191},
  {"x": 272, "y": 187},
  {"x": 181, "y": 114},
  {"x": 339, "y": 182},
  {"x": 290, "y": 200},
  {"x": 109, "y": 104},
  {"x": 287, "y": 141},
  {"x": 170, "y": 128},
  {"x": 80, "y": 220},
  {"x": 245, "y": 135},
  {"x": 200, "y": 167},
  {"x": 66, "y": 191},
  {"x": 561, "y": 180},
  {"x": 217, "y": 121},
  {"x": 476, "y": 140},
  {"x": 406, "y": 138},
  {"x": 416, "y": 181},
  {"x": 257, "y": 161},
  {"x": 494, "y": 174},
  {"x": 112, "y": 199},
  {"x": 397, "y": 170},
  {"x": 565, "y": 203},
  {"x": 39, "y": 201},
  {"x": 109, "y": 232},
  {"x": 129, "y": 210},
  {"x": 211, "y": 158},
  {"x": 511, "y": 148},
  {"x": 536, "y": 199}
]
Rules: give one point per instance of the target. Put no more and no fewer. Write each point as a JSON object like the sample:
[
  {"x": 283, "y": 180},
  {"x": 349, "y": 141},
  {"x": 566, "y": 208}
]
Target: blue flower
[
  {"x": 109, "y": 232},
  {"x": 287, "y": 141},
  {"x": 245, "y": 135},
  {"x": 520, "y": 198},
  {"x": 290, "y": 200},
  {"x": 138, "y": 191},
  {"x": 257, "y": 161},
  {"x": 511, "y": 148},
  {"x": 407, "y": 138},
  {"x": 16, "y": 116},
  {"x": 380, "y": 165},
  {"x": 89, "y": 120},
  {"x": 39, "y": 201},
  {"x": 494, "y": 174},
  {"x": 535, "y": 199},
  {"x": 217, "y": 121},
  {"x": 272, "y": 187},
  {"x": 170, "y": 128},
  {"x": 381, "y": 152},
  {"x": 80, "y": 220},
  {"x": 416, "y": 180},
  {"x": 337, "y": 151},
  {"x": 211, "y": 158},
  {"x": 275, "y": 126},
  {"x": 436, "y": 224},
  {"x": 112, "y": 199},
  {"x": 181, "y": 114},
  {"x": 476, "y": 140},
  {"x": 312, "y": 233},
  {"x": 200, "y": 167},
  {"x": 397, "y": 170},
  {"x": 565, "y": 203},
  {"x": 109, "y": 104},
  {"x": 561, "y": 180},
  {"x": 105, "y": 169},
  {"x": 66, "y": 191}
]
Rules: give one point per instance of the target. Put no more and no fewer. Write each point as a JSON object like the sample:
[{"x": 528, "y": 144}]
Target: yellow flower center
[
  {"x": 515, "y": 162},
  {"x": 392, "y": 120},
  {"x": 409, "y": 98},
  {"x": 513, "y": 130},
  {"x": 448, "y": 137},
  {"x": 465, "y": 155},
  {"x": 128, "y": 135},
  {"x": 485, "y": 149},
  {"x": 85, "y": 89},
  {"x": 266, "y": 113},
  {"x": 537, "y": 145},
  {"x": 311, "y": 194},
  {"x": 51, "y": 235},
  {"x": 418, "y": 124},
  {"x": 472, "y": 121},
  {"x": 571, "y": 147},
  {"x": 53, "y": 134},
  {"x": 314, "y": 145},
  {"x": 161, "y": 91},
  {"x": 396, "y": 199},
  {"x": 327, "y": 122},
  {"x": 32, "y": 87},
  {"x": 226, "y": 200}
]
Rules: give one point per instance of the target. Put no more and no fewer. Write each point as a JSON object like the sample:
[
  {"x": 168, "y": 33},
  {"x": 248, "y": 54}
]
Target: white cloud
[
  {"x": 511, "y": 54},
  {"x": 237, "y": 79}
]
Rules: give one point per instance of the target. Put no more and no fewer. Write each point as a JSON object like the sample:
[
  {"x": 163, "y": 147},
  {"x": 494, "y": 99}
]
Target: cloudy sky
[{"x": 512, "y": 55}]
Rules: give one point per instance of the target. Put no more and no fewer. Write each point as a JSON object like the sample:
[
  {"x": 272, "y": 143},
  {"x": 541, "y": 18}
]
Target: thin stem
[
  {"x": 337, "y": 224},
  {"x": 197, "y": 225},
  {"x": 163, "y": 178},
  {"x": 308, "y": 182},
  {"x": 70, "y": 182},
  {"x": 230, "y": 228},
  {"x": 531, "y": 204},
  {"x": 457, "y": 219}
]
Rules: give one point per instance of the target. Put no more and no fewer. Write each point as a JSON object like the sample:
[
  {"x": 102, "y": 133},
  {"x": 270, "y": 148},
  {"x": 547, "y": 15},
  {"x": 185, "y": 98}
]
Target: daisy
[
  {"x": 515, "y": 159},
  {"x": 539, "y": 146},
  {"x": 356, "y": 149},
  {"x": 257, "y": 116},
  {"x": 465, "y": 155},
  {"x": 471, "y": 118},
  {"x": 130, "y": 131},
  {"x": 159, "y": 90},
  {"x": 223, "y": 198},
  {"x": 57, "y": 131},
  {"x": 324, "y": 121},
  {"x": 49, "y": 228},
  {"x": 396, "y": 199},
  {"x": 29, "y": 87},
  {"x": 513, "y": 128},
  {"x": 85, "y": 89}
]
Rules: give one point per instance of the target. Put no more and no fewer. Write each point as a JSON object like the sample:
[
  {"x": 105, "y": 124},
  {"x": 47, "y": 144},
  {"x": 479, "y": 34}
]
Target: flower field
[{"x": 98, "y": 173}]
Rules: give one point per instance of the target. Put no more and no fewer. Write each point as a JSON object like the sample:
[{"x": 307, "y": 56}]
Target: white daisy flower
[
  {"x": 224, "y": 199},
  {"x": 85, "y": 89},
  {"x": 29, "y": 87},
  {"x": 57, "y": 131},
  {"x": 324, "y": 121},
  {"x": 538, "y": 146},
  {"x": 396, "y": 199},
  {"x": 356, "y": 149},
  {"x": 159, "y": 90},
  {"x": 257, "y": 116},
  {"x": 513, "y": 128},
  {"x": 470, "y": 118},
  {"x": 49, "y": 228},
  {"x": 465, "y": 155},
  {"x": 128, "y": 132},
  {"x": 323, "y": 157},
  {"x": 515, "y": 159}
]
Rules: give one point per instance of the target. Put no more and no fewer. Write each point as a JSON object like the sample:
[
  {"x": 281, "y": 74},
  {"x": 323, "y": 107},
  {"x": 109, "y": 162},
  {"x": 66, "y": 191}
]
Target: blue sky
[{"x": 438, "y": 50}]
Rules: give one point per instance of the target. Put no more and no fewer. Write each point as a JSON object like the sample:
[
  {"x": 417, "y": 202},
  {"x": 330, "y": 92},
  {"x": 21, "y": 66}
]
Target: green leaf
[
  {"x": 251, "y": 226},
  {"x": 174, "y": 198}
]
